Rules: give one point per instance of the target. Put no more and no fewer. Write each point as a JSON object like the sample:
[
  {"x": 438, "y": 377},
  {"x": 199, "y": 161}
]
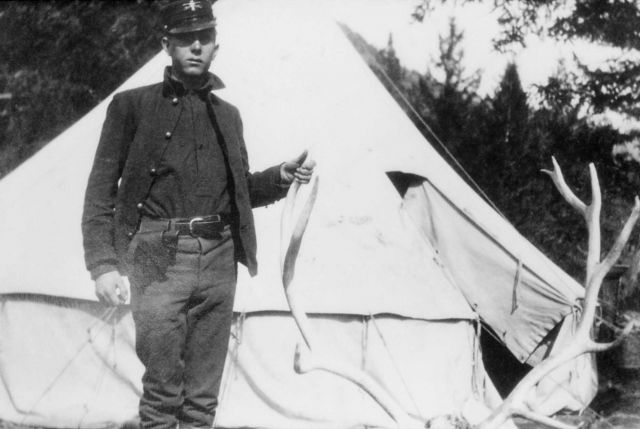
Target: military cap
[{"x": 183, "y": 16}]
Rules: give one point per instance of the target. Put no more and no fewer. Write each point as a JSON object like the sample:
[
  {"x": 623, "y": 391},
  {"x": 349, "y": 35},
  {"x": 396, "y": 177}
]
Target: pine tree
[
  {"x": 447, "y": 104},
  {"x": 615, "y": 84},
  {"x": 388, "y": 60},
  {"x": 508, "y": 145}
]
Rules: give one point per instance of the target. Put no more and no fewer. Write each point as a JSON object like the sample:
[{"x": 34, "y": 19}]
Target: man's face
[{"x": 191, "y": 53}]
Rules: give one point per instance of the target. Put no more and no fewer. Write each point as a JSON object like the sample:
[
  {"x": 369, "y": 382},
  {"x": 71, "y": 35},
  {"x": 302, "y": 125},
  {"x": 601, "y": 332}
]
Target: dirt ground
[{"x": 617, "y": 404}]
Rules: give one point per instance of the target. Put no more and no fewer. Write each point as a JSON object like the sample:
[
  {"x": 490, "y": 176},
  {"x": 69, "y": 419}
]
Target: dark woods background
[
  {"x": 59, "y": 59},
  {"x": 504, "y": 139}
]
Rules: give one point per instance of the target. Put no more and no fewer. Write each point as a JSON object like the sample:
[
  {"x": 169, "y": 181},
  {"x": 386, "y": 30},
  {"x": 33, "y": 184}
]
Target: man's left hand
[{"x": 299, "y": 169}]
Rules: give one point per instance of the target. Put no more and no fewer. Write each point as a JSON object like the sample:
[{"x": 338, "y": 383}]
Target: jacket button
[
  {"x": 174, "y": 101},
  {"x": 139, "y": 206},
  {"x": 167, "y": 135},
  {"x": 153, "y": 171}
]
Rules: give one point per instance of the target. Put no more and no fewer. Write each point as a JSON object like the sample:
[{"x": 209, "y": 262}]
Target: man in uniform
[{"x": 168, "y": 204}]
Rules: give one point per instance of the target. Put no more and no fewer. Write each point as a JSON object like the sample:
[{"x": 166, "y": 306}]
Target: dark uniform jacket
[{"x": 137, "y": 128}]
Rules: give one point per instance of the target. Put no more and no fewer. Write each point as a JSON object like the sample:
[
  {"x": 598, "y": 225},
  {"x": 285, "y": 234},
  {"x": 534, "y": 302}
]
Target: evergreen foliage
[
  {"x": 615, "y": 23},
  {"x": 502, "y": 142},
  {"x": 60, "y": 59}
]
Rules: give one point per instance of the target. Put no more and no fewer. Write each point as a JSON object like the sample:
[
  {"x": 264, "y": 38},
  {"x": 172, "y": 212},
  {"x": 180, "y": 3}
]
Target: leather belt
[{"x": 206, "y": 226}]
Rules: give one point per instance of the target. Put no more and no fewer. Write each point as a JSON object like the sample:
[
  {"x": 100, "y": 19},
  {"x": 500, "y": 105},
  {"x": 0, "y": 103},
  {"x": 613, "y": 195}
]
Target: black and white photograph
[{"x": 320, "y": 214}]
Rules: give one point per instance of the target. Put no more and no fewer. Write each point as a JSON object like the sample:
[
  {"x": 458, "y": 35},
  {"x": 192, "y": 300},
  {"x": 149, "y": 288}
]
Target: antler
[
  {"x": 581, "y": 343},
  {"x": 289, "y": 253},
  {"x": 310, "y": 356}
]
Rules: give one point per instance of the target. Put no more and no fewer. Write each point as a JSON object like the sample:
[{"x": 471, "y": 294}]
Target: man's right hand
[{"x": 111, "y": 288}]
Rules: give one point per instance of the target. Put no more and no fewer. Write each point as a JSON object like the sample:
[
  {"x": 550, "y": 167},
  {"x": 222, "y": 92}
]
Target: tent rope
[
  {"x": 103, "y": 372},
  {"x": 98, "y": 385},
  {"x": 396, "y": 367},
  {"x": 113, "y": 343},
  {"x": 233, "y": 354},
  {"x": 106, "y": 315},
  {"x": 477, "y": 361},
  {"x": 516, "y": 283},
  {"x": 240, "y": 327},
  {"x": 435, "y": 137},
  {"x": 364, "y": 343},
  {"x": 453, "y": 159}
]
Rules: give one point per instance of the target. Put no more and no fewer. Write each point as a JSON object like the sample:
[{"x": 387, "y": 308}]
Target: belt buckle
[{"x": 195, "y": 219}]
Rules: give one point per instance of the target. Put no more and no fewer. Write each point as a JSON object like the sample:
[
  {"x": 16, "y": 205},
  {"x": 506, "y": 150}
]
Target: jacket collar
[{"x": 172, "y": 87}]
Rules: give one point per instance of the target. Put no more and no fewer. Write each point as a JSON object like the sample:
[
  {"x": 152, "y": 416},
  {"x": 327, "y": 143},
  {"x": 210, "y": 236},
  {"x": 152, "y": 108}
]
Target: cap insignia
[{"x": 192, "y": 5}]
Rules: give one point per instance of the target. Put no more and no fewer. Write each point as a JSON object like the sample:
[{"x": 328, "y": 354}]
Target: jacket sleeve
[
  {"x": 265, "y": 187},
  {"x": 100, "y": 197}
]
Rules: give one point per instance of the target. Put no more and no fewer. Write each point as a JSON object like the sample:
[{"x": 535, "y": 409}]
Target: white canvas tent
[{"x": 395, "y": 283}]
